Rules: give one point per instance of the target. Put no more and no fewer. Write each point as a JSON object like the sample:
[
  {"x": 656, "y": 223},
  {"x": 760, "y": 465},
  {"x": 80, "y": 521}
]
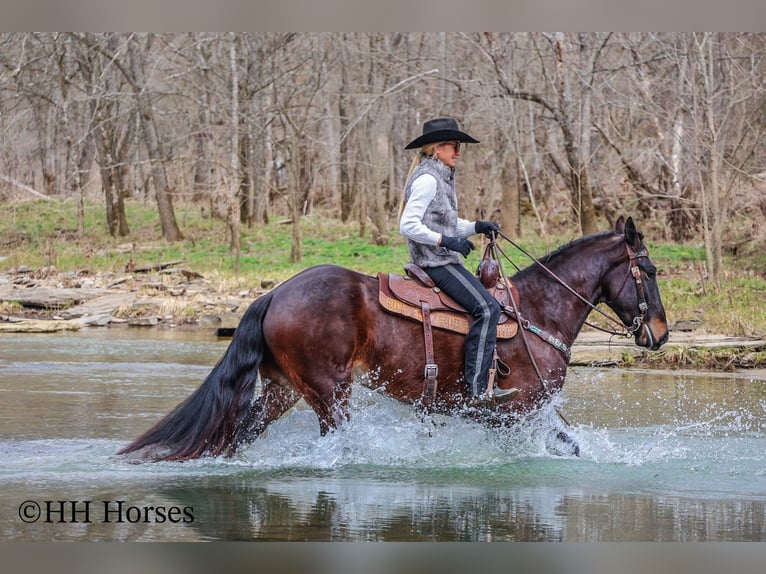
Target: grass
[
  {"x": 723, "y": 359},
  {"x": 43, "y": 233}
]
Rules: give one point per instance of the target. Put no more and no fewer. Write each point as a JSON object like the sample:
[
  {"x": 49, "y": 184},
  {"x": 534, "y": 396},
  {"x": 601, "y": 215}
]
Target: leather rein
[{"x": 557, "y": 343}]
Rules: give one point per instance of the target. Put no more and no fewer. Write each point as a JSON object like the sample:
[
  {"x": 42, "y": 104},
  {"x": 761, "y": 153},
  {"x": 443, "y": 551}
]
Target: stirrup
[
  {"x": 502, "y": 395},
  {"x": 498, "y": 396}
]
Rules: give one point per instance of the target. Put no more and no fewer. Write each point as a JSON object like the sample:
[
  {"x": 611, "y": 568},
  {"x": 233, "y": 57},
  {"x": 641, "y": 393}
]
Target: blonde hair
[{"x": 426, "y": 151}]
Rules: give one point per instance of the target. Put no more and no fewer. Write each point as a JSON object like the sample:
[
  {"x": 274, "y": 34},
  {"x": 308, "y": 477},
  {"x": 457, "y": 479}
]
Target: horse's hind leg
[{"x": 277, "y": 397}]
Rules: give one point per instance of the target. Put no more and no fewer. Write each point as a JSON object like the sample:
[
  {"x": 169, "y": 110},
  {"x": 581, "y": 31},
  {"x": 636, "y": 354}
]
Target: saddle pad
[{"x": 405, "y": 302}]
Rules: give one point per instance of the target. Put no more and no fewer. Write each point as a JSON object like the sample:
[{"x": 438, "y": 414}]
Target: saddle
[
  {"x": 407, "y": 295},
  {"x": 416, "y": 297}
]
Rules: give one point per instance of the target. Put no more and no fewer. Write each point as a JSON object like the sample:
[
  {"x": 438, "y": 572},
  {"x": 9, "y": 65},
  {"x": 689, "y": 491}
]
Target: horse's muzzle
[{"x": 652, "y": 338}]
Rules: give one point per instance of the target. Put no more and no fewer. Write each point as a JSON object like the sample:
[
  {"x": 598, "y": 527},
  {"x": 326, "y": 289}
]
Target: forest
[{"x": 575, "y": 128}]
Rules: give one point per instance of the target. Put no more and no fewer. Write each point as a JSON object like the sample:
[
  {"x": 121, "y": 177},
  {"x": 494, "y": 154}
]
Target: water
[{"x": 666, "y": 456}]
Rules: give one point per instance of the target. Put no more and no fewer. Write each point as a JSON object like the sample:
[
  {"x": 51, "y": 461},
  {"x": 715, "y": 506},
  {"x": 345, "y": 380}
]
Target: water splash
[{"x": 717, "y": 439}]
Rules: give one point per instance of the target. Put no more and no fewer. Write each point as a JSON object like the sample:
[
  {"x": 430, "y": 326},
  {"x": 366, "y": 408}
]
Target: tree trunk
[
  {"x": 102, "y": 86},
  {"x": 578, "y": 161},
  {"x": 295, "y": 203},
  {"x": 170, "y": 229},
  {"x": 714, "y": 225},
  {"x": 372, "y": 189},
  {"x": 346, "y": 187},
  {"x": 233, "y": 204},
  {"x": 73, "y": 166},
  {"x": 203, "y": 182}
]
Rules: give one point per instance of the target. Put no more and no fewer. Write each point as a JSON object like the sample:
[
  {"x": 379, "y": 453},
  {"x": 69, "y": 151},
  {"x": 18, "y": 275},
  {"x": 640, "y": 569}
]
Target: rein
[
  {"x": 513, "y": 309},
  {"x": 556, "y": 342},
  {"x": 626, "y": 331}
]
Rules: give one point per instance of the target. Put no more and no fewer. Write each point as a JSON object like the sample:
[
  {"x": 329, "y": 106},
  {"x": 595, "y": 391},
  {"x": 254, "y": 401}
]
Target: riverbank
[
  {"x": 169, "y": 296},
  {"x": 166, "y": 295}
]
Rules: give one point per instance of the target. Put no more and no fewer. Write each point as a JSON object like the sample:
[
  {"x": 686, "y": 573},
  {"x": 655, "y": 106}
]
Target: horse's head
[{"x": 630, "y": 289}]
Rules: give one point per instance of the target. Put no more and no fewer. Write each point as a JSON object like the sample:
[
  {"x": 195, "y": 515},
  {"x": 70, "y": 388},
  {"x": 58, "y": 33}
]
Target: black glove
[
  {"x": 487, "y": 227},
  {"x": 459, "y": 244}
]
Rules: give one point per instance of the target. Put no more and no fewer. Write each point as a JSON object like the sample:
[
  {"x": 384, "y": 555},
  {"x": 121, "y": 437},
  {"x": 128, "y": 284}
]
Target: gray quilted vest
[{"x": 440, "y": 215}]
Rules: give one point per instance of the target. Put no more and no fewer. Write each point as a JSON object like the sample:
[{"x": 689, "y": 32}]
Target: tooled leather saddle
[{"x": 407, "y": 295}]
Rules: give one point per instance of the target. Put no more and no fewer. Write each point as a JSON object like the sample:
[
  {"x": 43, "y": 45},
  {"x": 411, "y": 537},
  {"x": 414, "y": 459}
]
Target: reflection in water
[
  {"x": 666, "y": 457},
  {"x": 333, "y": 510}
]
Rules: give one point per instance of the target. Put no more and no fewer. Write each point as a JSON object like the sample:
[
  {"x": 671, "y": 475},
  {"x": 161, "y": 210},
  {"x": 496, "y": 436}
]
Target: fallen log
[
  {"x": 36, "y": 326},
  {"x": 156, "y": 267}
]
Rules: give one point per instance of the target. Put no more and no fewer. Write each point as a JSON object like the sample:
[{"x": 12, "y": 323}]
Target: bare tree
[
  {"x": 109, "y": 121},
  {"x": 568, "y": 69},
  {"x": 78, "y": 142},
  {"x": 726, "y": 89},
  {"x": 204, "y": 92},
  {"x": 135, "y": 74},
  {"x": 346, "y": 140},
  {"x": 575, "y": 127},
  {"x": 233, "y": 211},
  {"x": 295, "y": 104}
]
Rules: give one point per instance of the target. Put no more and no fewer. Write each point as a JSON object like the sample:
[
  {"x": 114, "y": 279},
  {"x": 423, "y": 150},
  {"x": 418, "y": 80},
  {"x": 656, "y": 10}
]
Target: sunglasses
[{"x": 456, "y": 145}]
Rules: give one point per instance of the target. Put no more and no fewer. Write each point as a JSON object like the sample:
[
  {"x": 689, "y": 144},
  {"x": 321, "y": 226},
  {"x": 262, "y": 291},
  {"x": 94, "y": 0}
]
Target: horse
[{"x": 315, "y": 333}]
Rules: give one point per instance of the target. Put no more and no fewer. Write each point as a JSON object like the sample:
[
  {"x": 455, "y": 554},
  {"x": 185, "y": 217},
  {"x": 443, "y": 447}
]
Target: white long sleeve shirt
[{"x": 423, "y": 190}]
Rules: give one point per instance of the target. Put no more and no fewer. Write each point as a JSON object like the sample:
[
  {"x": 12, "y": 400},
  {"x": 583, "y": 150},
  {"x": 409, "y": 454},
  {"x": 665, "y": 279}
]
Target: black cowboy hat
[{"x": 440, "y": 130}]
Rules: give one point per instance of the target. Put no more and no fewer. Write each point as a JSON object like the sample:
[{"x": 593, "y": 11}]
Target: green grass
[
  {"x": 737, "y": 308},
  {"x": 43, "y": 233}
]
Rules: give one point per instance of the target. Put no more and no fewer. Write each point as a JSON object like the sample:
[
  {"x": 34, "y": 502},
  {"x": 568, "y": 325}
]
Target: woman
[{"x": 437, "y": 237}]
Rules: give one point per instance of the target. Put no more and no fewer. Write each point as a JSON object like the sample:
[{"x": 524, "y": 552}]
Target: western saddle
[{"x": 415, "y": 296}]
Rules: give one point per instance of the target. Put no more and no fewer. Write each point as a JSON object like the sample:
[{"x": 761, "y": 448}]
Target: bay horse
[{"x": 313, "y": 334}]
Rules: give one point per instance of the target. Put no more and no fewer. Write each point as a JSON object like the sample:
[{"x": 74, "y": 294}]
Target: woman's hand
[
  {"x": 459, "y": 244},
  {"x": 488, "y": 228}
]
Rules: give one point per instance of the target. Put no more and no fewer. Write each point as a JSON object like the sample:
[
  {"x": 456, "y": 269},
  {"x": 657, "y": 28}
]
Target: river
[{"x": 666, "y": 456}]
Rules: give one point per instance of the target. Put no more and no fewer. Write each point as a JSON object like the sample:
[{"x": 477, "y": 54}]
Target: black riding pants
[{"x": 460, "y": 284}]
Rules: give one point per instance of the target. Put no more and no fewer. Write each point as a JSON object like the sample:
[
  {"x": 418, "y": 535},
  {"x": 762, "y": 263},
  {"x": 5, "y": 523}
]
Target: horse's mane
[{"x": 578, "y": 242}]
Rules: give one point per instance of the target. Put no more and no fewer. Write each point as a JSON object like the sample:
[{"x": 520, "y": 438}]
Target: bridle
[
  {"x": 635, "y": 271},
  {"x": 625, "y": 330}
]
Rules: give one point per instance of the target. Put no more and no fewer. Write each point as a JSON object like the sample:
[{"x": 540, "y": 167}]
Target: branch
[
  {"x": 510, "y": 92},
  {"x": 633, "y": 174},
  {"x": 379, "y": 96},
  {"x": 25, "y": 187}
]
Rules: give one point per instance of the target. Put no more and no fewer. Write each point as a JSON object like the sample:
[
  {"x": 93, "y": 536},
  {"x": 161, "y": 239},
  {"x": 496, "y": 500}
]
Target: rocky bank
[{"x": 170, "y": 296}]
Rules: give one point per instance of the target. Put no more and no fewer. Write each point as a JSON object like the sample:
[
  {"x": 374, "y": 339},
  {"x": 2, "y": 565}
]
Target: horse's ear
[
  {"x": 632, "y": 236},
  {"x": 619, "y": 225}
]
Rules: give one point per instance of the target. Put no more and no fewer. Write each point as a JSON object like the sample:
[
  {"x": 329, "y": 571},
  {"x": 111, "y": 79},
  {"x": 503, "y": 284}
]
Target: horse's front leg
[
  {"x": 560, "y": 442},
  {"x": 329, "y": 400}
]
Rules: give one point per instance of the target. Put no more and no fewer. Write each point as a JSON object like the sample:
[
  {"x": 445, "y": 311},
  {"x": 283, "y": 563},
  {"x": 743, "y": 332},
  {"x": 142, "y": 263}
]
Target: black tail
[{"x": 206, "y": 422}]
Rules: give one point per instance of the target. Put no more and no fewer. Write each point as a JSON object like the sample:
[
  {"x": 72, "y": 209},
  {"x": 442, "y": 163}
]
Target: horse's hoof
[
  {"x": 560, "y": 443},
  {"x": 482, "y": 402}
]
